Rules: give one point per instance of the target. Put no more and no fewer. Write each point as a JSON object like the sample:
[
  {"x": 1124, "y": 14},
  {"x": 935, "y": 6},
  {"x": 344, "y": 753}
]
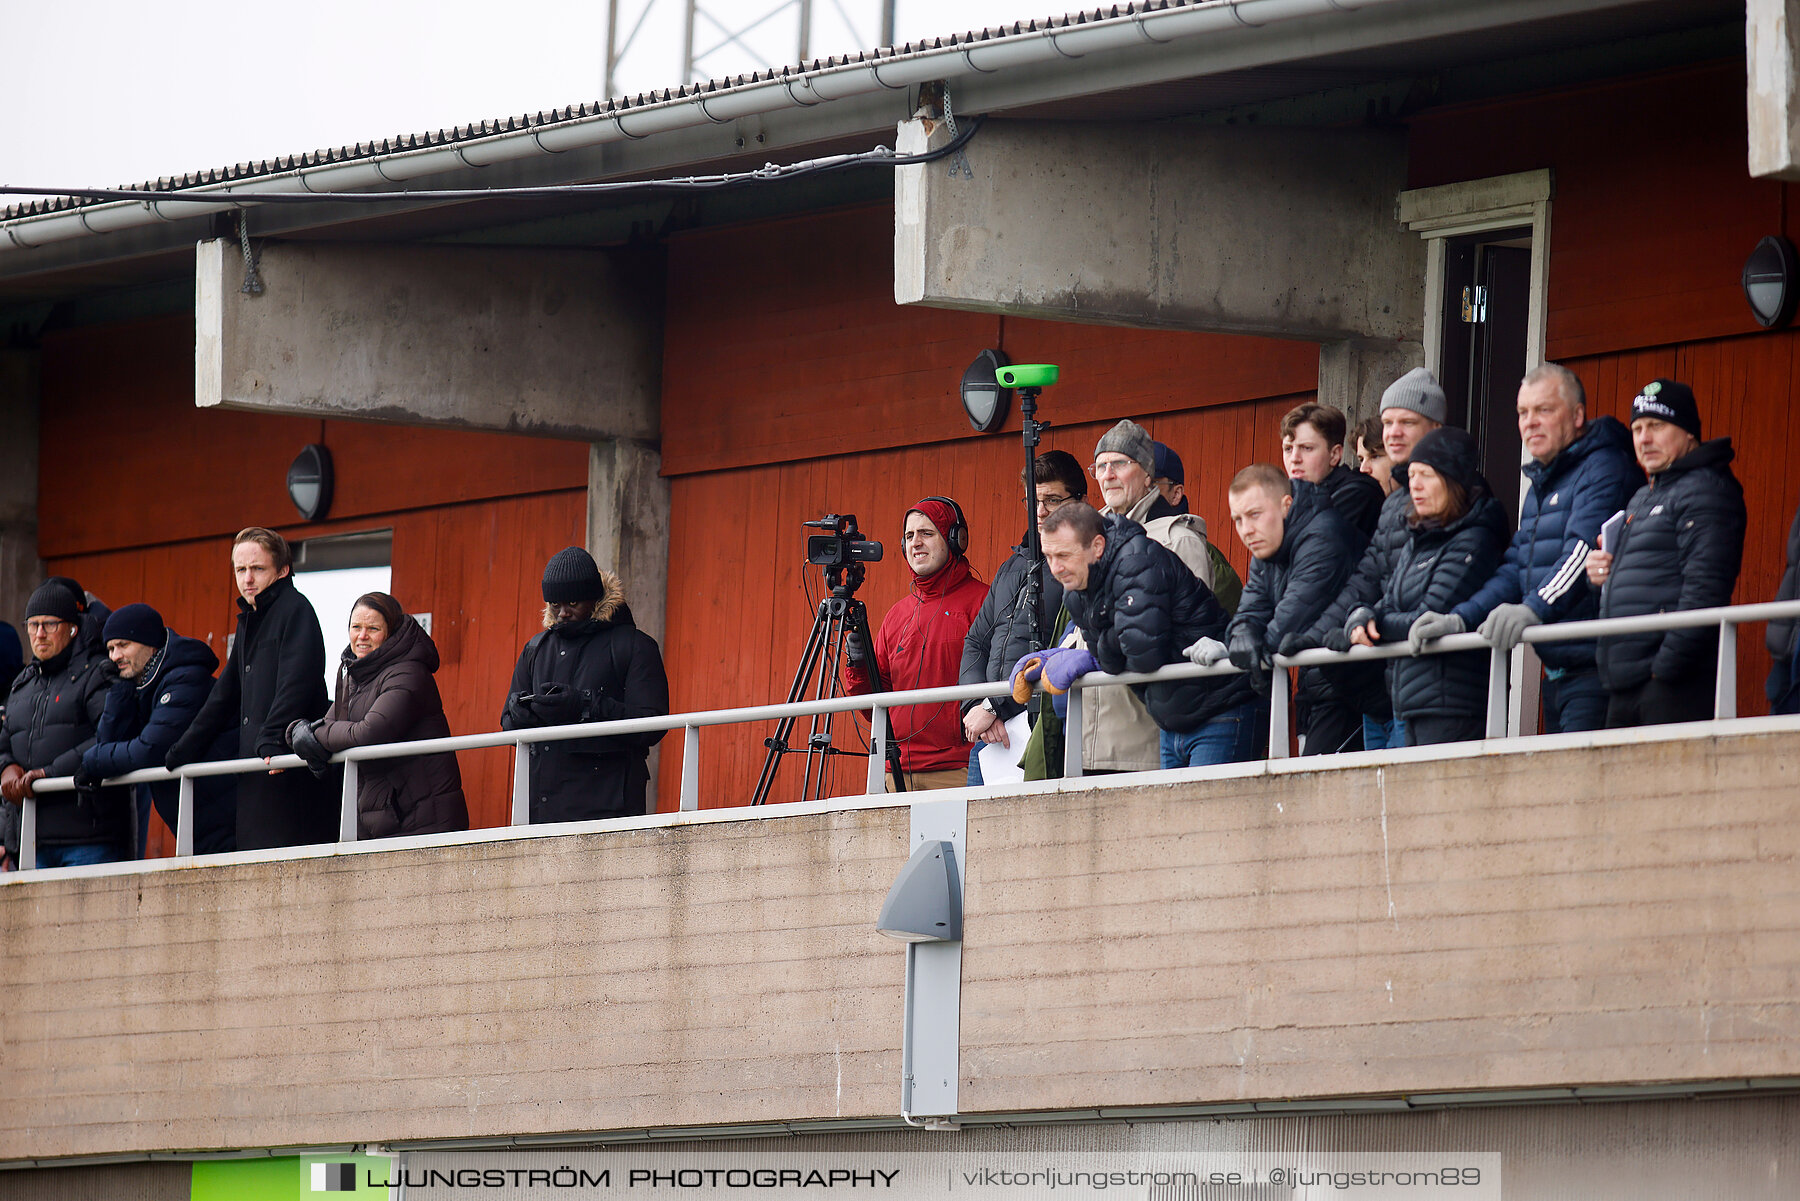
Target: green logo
[{"x": 291, "y": 1178}]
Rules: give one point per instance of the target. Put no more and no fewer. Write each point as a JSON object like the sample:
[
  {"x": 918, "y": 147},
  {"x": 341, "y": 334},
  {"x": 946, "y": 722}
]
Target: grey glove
[
  {"x": 1359, "y": 617},
  {"x": 1428, "y": 627},
  {"x": 1505, "y": 627},
  {"x": 1205, "y": 652}
]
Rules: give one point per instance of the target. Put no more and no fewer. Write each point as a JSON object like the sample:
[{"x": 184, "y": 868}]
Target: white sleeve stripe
[{"x": 1566, "y": 575}]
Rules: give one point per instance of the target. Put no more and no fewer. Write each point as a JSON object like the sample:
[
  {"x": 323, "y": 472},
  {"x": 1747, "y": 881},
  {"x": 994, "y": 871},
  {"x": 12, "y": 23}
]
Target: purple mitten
[
  {"x": 1025, "y": 673},
  {"x": 1061, "y": 666}
]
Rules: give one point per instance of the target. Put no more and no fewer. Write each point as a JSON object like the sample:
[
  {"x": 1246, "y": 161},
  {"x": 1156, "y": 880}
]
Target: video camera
[{"x": 842, "y": 547}]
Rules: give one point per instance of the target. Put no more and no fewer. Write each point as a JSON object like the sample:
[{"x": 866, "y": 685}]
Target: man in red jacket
[{"x": 920, "y": 645}]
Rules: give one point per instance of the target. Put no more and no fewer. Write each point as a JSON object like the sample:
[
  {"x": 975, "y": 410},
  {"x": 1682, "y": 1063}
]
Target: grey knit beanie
[
  {"x": 1132, "y": 440},
  {"x": 1419, "y": 391}
]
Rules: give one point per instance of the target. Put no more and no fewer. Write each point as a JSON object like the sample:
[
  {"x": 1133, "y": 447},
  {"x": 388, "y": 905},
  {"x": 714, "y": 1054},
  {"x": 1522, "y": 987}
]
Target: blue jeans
[
  {"x": 1573, "y": 701},
  {"x": 1228, "y": 738},
  {"x": 1381, "y": 736},
  {"x": 975, "y": 765},
  {"x": 80, "y": 855}
]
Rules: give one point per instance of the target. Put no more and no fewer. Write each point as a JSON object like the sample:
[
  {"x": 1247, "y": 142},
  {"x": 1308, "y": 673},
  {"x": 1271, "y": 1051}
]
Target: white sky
[{"x": 105, "y": 92}]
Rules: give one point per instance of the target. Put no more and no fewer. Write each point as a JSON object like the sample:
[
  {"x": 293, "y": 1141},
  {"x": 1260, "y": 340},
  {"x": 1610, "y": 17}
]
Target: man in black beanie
[
  {"x": 164, "y": 679},
  {"x": 51, "y": 715},
  {"x": 1680, "y": 547},
  {"x": 590, "y": 663}
]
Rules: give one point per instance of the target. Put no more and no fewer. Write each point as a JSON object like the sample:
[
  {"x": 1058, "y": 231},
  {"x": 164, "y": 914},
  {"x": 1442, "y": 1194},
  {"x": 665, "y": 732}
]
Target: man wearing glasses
[
  {"x": 51, "y": 717},
  {"x": 1001, "y": 633}
]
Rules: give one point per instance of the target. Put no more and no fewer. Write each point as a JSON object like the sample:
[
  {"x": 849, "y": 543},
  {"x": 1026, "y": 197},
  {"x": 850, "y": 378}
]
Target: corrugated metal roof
[{"x": 618, "y": 105}]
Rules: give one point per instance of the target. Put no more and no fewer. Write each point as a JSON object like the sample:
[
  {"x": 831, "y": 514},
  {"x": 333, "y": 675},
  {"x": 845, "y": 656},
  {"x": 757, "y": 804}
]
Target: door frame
[{"x": 1477, "y": 206}]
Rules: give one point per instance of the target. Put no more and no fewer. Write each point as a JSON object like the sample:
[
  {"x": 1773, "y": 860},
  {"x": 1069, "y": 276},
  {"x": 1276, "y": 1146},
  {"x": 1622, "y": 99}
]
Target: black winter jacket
[
  {"x": 1681, "y": 548},
  {"x": 1358, "y": 498},
  {"x": 1364, "y": 584},
  {"x": 617, "y": 671},
  {"x": 1438, "y": 568},
  {"x": 997, "y": 639},
  {"x": 1783, "y": 637},
  {"x": 1287, "y": 591},
  {"x": 390, "y": 695},
  {"x": 1140, "y": 608},
  {"x": 274, "y": 677},
  {"x": 52, "y": 713},
  {"x": 145, "y": 717},
  {"x": 1570, "y": 497}
]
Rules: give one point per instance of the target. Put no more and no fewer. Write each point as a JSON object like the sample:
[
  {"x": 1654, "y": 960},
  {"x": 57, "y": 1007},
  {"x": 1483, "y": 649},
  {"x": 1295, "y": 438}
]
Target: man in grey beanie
[{"x": 1412, "y": 407}]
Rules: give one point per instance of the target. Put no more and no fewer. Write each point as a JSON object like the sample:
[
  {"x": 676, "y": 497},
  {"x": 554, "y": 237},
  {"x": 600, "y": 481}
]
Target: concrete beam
[
  {"x": 1772, "y": 53},
  {"x": 559, "y": 343},
  {"x": 1287, "y": 233},
  {"x": 20, "y": 569},
  {"x": 1355, "y": 372}
]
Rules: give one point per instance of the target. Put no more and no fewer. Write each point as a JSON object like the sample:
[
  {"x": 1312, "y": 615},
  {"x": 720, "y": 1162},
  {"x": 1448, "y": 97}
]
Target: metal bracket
[{"x": 932, "y": 1032}]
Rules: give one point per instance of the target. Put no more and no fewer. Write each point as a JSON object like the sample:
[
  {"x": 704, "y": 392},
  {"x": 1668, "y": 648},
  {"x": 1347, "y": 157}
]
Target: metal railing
[{"x": 1726, "y": 618}]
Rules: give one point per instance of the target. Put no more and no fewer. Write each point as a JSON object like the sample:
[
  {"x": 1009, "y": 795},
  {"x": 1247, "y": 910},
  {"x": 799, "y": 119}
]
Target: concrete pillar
[
  {"x": 560, "y": 343},
  {"x": 1772, "y": 53},
  {"x": 1284, "y": 232},
  {"x": 1355, "y": 372},
  {"x": 628, "y": 525},
  {"x": 20, "y": 569}
]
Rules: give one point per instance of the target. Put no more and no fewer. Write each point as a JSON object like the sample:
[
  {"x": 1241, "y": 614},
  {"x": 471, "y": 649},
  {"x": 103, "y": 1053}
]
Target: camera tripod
[{"x": 839, "y": 614}]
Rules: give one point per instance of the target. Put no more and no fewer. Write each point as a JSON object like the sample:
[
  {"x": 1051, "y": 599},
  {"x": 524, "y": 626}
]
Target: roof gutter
[{"x": 1009, "y": 52}]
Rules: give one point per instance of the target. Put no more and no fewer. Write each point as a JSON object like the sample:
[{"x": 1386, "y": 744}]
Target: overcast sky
[{"x": 105, "y": 92}]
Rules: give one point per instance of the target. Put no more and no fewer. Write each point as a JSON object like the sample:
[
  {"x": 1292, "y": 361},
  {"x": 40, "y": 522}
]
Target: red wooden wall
[
  {"x": 792, "y": 390},
  {"x": 1653, "y": 216},
  {"x": 141, "y": 493}
]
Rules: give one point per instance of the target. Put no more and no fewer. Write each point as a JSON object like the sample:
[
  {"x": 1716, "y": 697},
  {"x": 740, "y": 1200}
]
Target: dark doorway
[{"x": 1487, "y": 300}]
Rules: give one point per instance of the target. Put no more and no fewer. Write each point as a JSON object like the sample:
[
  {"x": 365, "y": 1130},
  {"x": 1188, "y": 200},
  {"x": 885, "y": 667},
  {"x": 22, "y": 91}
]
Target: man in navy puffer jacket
[
  {"x": 164, "y": 678},
  {"x": 1581, "y": 473}
]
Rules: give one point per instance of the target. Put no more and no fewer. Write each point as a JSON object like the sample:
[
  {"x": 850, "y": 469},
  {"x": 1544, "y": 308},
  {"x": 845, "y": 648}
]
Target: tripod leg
[
  {"x": 857, "y": 618},
  {"x": 778, "y": 745}
]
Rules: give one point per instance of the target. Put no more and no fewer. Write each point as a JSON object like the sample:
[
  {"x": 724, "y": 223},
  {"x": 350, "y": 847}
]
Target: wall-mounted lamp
[
  {"x": 925, "y": 903},
  {"x": 1772, "y": 281},
  {"x": 309, "y": 482},
  {"x": 984, "y": 400}
]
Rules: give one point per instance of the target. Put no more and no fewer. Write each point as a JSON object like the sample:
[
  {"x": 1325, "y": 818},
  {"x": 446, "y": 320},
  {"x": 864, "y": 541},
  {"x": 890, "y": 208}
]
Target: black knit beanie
[
  {"x": 1668, "y": 400},
  {"x": 1453, "y": 454},
  {"x": 52, "y": 599},
  {"x": 136, "y": 623},
  {"x": 572, "y": 576}
]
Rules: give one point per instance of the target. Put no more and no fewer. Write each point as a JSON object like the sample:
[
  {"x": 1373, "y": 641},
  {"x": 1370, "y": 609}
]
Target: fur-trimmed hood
[{"x": 611, "y": 606}]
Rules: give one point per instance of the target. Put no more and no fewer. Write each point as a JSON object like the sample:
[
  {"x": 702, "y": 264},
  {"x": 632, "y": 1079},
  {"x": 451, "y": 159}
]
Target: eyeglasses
[
  {"x": 1108, "y": 467},
  {"x": 43, "y": 625},
  {"x": 1053, "y": 502}
]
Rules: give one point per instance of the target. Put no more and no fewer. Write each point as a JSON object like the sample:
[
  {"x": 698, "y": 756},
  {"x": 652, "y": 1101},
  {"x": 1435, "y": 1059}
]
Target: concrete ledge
[{"x": 1566, "y": 917}]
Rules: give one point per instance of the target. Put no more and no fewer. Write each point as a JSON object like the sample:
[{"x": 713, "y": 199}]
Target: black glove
[
  {"x": 181, "y": 754},
  {"x": 1246, "y": 655},
  {"x": 1337, "y": 639},
  {"x": 1292, "y": 643},
  {"x": 856, "y": 648},
  {"x": 86, "y": 778},
  {"x": 558, "y": 705},
  {"x": 305, "y": 743}
]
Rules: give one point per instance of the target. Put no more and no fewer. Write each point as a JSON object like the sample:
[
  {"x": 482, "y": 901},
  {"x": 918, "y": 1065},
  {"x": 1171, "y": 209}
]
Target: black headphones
[{"x": 958, "y": 534}]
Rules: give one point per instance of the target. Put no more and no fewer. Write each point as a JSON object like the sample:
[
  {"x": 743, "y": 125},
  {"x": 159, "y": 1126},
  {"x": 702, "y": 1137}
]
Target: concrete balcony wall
[{"x": 1555, "y": 915}]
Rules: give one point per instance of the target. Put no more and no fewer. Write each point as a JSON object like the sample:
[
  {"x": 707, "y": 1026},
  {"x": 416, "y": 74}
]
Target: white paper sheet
[{"x": 1000, "y": 764}]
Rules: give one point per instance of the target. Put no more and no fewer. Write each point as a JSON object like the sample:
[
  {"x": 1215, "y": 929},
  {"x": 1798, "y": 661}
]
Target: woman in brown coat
[{"x": 386, "y": 693}]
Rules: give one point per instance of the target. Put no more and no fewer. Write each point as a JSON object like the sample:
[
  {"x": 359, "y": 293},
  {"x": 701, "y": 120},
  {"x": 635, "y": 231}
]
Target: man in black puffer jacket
[
  {"x": 1001, "y": 635},
  {"x": 1301, "y": 552},
  {"x": 274, "y": 676},
  {"x": 1312, "y": 449},
  {"x": 591, "y": 663},
  {"x": 51, "y": 715},
  {"x": 1139, "y": 606},
  {"x": 164, "y": 678},
  {"x": 1681, "y": 548}
]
